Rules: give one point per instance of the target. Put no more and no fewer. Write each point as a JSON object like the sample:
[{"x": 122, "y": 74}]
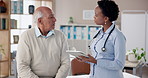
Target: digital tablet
[{"x": 76, "y": 53}]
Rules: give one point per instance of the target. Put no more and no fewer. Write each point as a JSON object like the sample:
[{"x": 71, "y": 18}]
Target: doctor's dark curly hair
[{"x": 109, "y": 8}]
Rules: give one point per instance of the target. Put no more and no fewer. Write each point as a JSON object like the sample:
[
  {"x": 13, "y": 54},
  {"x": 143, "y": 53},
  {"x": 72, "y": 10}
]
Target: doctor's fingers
[
  {"x": 84, "y": 58},
  {"x": 89, "y": 59},
  {"x": 79, "y": 59},
  {"x": 89, "y": 55}
]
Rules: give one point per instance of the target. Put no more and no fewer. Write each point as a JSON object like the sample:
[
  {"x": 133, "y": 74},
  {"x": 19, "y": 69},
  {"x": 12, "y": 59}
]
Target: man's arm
[
  {"x": 65, "y": 62},
  {"x": 23, "y": 59}
]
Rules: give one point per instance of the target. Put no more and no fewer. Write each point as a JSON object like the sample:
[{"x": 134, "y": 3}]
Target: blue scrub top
[{"x": 111, "y": 62}]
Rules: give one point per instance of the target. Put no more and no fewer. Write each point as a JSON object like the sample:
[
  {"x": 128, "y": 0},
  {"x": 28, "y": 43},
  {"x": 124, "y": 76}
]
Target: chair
[{"x": 79, "y": 68}]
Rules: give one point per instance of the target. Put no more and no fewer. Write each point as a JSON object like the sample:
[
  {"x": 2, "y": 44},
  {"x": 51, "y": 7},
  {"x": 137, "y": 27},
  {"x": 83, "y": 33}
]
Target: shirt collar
[{"x": 38, "y": 33}]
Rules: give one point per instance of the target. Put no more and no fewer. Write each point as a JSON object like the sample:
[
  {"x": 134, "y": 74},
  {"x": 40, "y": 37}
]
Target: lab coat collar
[
  {"x": 100, "y": 33},
  {"x": 107, "y": 31},
  {"x": 110, "y": 28}
]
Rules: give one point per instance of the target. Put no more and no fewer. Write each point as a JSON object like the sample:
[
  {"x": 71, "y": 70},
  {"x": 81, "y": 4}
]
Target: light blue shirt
[
  {"x": 111, "y": 62},
  {"x": 38, "y": 33}
]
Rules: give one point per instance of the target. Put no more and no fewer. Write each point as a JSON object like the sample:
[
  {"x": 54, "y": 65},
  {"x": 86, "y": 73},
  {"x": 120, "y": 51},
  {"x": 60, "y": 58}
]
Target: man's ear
[{"x": 40, "y": 20}]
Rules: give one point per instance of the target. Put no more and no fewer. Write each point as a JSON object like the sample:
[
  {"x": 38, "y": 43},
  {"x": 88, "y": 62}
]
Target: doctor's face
[{"x": 99, "y": 18}]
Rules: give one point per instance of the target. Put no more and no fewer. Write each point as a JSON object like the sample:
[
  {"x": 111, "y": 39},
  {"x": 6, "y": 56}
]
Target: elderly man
[{"x": 42, "y": 50}]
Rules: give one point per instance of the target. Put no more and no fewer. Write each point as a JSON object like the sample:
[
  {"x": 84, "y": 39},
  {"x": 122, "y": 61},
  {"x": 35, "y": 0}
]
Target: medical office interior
[{"x": 75, "y": 20}]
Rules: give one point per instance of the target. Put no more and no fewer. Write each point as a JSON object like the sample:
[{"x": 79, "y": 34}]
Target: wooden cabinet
[{"x": 5, "y": 40}]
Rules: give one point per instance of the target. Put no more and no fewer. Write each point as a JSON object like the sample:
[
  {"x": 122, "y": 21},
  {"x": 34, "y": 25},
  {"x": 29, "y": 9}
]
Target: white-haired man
[{"x": 42, "y": 50}]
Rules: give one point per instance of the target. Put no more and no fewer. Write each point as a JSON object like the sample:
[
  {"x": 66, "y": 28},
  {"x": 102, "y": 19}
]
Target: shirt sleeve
[
  {"x": 23, "y": 59},
  {"x": 65, "y": 62},
  {"x": 119, "y": 51}
]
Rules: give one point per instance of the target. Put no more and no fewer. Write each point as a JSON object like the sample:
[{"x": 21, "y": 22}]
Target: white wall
[
  {"x": 66, "y": 8},
  {"x": 134, "y": 27}
]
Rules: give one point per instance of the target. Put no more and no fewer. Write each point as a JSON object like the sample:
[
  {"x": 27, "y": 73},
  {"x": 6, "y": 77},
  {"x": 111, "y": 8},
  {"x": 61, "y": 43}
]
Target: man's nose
[{"x": 54, "y": 19}]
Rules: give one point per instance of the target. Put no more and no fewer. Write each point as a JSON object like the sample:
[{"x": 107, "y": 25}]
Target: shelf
[
  {"x": 14, "y": 43},
  {"x": 21, "y": 14},
  {"x": 4, "y": 30},
  {"x": 37, "y": 0},
  {"x": 3, "y": 13},
  {"x": 3, "y": 76},
  {"x": 19, "y": 28},
  {"x": 3, "y": 61}
]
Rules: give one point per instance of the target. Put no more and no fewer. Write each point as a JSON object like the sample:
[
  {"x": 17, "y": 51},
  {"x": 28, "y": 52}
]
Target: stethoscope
[{"x": 103, "y": 48}]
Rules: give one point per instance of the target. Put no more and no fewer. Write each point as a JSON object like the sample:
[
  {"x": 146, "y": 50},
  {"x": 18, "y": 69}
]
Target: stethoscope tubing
[{"x": 103, "y": 48}]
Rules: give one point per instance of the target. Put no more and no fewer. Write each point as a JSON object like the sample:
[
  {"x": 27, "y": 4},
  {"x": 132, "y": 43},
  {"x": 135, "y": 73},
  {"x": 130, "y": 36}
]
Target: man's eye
[{"x": 49, "y": 17}]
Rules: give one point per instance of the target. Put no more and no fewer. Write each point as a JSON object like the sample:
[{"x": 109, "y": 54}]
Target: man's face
[{"x": 48, "y": 20}]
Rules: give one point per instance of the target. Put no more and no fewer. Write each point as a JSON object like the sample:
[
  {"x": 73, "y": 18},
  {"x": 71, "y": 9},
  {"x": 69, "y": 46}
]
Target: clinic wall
[{"x": 66, "y": 8}]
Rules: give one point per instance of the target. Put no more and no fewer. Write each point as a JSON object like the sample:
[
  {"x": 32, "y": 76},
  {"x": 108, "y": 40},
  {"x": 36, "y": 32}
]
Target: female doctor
[{"x": 108, "y": 45}]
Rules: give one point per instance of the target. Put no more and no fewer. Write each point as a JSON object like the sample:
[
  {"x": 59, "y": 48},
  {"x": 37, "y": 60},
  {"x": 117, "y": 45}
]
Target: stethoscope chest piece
[{"x": 103, "y": 49}]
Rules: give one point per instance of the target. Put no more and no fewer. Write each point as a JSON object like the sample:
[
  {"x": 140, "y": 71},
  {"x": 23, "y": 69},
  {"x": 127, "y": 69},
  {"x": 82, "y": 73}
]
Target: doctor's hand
[{"x": 88, "y": 59}]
